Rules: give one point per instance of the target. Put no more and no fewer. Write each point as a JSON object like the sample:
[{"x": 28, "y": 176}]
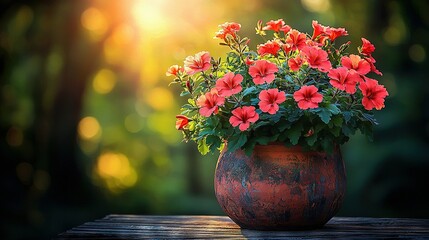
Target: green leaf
[
  {"x": 327, "y": 145},
  {"x": 184, "y": 93},
  {"x": 311, "y": 139},
  {"x": 337, "y": 121},
  {"x": 207, "y": 131},
  {"x": 192, "y": 102},
  {"x": 294, "y": 115},
  {"x": 336, "y": 131},
  {"x": 249, "y": 146},
  {"x": 237, "y": 141},
  {"x": 347, "y": 131},
  {"x": 283, "y": 126},
  {"x": 366, "y": 128},
  {"x": 260, "y": 123},
  {"x": 264, "y": 140},
  {"x": 294, "y": 133},
  {"x": 283, "y": 137},
  {"x": 319, "y": 127},
  {"x": 325, "y": 115},
  {"x": 347, "y": 116},
  {"x": 248, "y": 91},
  {"x": 213, "y": 140},
  {"x": 370, "y": 118},
  {"x": 203, "y": 148},
  {"x": 334, "y": 109},
  {"x": 254, "y": 101},
  {"x": 275, "y": 118}
]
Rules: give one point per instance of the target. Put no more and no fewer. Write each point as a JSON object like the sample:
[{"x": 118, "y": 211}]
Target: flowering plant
[{"x": 296, "y": 89}]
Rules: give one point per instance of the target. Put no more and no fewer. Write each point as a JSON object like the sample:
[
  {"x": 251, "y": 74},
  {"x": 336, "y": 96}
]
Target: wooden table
[{"x": 215, "y": 227}]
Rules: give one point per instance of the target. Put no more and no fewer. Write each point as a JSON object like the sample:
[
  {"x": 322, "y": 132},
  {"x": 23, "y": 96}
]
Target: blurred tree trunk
[{"x": 68, "y": 181}]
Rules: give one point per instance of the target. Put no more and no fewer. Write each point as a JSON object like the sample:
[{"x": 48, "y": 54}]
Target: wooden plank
[{"x": 221, "y": 227}]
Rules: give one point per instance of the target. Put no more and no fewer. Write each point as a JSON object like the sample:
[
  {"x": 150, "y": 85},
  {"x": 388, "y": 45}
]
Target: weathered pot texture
[{"x": 280, "y": 188}]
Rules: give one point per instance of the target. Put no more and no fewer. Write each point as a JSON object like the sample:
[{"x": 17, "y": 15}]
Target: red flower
[
  {"x": 228, "y": 28},
  {"x": 263, "y": 71},
  {"x": 296, "y": 40},
  {"x": 371, "y": 62},
  {"x": 373, "y": 94},
  {"x": 333, "y": 33},
  {"x": 318, "y": 29},
  {"x": 317, "y": 58},
  {"x": 356, "y": 63},
  {"x": 181, "y": 122},
  {"x": 270, "y": 47},
  {"x": 270, "y": 100},
  {"x": 249, "y": 61},
  {"x": 198, "y": 63},
  {"x": 295, "y": 63},
  {"x": 229, "y": 84},
  {"x": 174, "y": 70},
  {"x": 308, "y": 97},
  {"x": 367, "y": 48},
  {"x": 209, "y": 103},
  {"x": 243, "y": 116},
  {"x": 344, "y": 79},
  {"x": 278, "y": 25}
]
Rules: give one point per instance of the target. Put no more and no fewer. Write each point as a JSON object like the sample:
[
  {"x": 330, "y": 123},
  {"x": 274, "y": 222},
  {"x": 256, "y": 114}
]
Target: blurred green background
[{"x": 87, "y": 117}]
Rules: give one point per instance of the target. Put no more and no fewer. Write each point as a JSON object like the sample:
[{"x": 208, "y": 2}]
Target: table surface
[{"x": 215, "y": 227}]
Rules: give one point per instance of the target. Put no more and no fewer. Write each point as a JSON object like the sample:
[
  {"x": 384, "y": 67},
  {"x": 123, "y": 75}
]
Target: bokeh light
[
  {"x": 95, "y": 21},
  {"x": 89, "y": 128},
  {"x": 116, "y": 170},
  {"x": 104, "y": 81}
]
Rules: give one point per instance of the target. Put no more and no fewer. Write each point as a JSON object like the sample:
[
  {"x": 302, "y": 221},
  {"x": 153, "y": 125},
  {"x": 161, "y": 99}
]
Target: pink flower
[
  {"x": 344, "y": 79},
  {"x": 308, "y": 97},
  {"x": 278, "y": 25},
  {"x": 296, "y": 40},
  {"x": 228, "y": 28},
  {"x": 209, "y": 103},
  {"x": 270, "y": 47},
  {"x": 317, "y": 58},
  {"x": 367, "y": 47},
  {"x": 263, "y": 71},
  {"x": 174, "y": 70},
  {"x": 356, "y": 63},
  {"x": 295, "y": 63},
  {"x": 243, "y": 116},
  {"x": 270, "y": 100},
  {"x": 229, "y": 84},
  {"x": 181, "y": 122},
  {"x": 373, "y": 94},
  {"x": 198, "y": 63}
]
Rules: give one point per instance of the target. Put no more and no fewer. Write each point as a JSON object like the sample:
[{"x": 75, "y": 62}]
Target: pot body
[{"x": 280, "y": 188}]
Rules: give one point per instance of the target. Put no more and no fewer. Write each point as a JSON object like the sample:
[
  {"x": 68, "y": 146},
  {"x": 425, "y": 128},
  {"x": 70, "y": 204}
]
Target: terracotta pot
[{"x": 280, "y": 188}]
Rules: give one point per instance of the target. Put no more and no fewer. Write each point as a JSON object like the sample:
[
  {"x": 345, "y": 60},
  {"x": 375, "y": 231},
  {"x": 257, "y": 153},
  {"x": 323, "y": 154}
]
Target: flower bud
[
  {"x": 189, "y": 86},
  {"x": 181, "y": 122},
  {"x": 309, "y": 133}
]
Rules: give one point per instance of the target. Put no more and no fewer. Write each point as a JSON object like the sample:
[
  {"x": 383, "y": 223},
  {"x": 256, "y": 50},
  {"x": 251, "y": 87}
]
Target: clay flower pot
[{"x": 280, "y": 188}]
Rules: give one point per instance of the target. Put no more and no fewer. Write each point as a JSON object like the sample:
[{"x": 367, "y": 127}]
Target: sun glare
[{"x": 150, "y": 16}]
